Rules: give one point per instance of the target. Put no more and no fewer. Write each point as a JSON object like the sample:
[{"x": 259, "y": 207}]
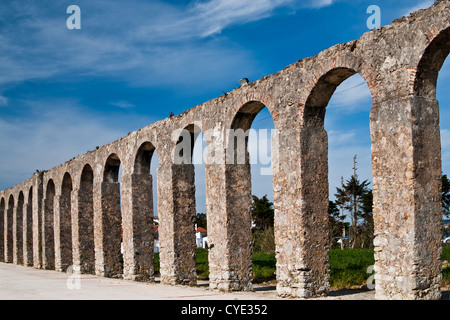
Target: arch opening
[
  {"x": 184, "y": 148},
  {"x": 250, "y": 193},
  {"x": 143, "y": 158},
  {"x": 338, "y": 167},
  {"x": 139, "y": 254},
  {"x": 430, "y": 64},
  {"x": 183, "y": 173},
  {"x": 112, "y": 167}
]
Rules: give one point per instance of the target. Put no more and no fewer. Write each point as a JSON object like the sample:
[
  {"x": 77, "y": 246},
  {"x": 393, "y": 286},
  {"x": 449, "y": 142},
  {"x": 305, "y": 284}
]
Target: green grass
[
  {"x": 264, "y": 267},
  {"x": 347, "y": 267},
  {"x": 446, "y": 271},
  {"x": 202, "y": 264},
  {"x": 446, "y": 253}
]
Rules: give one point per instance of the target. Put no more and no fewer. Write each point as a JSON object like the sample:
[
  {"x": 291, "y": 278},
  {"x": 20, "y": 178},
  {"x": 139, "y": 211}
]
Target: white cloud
[
  {"x": 321, "y": 3},
  {"x": 341, "y": 138},
  {"x": 3, "y": 101},
  {"x": 352, "y": 95},
  {"x": 205, "y": 18},
  {"x": 153, "y": 43},
  {"x": 54, "y": 132},
  {"x": 144, "y": 43},
  {"x": 122, "y": 104}
]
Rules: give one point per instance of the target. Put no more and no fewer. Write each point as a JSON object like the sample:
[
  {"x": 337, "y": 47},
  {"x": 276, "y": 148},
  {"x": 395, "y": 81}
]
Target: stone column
[
  {"x": 63, "y": 232},
  {"x": 17, "y": 232},
  {"x": 176, "y": 212},
  {"x": 107, "y": 229},
  {"x": 138, "y": 241},
  {"x": 9, "y": 233},
  {"x": 406, "y": 161},
  {"x": 48, "y": 236},
  {"x": 28, "y": 234},
  {"x": 83, "y": 254},
  {"x": 300, "y": 182},
  {"x": 229, "y": 200},
  {"x": 37, "y": 220},
  {"x": 2, "y": 230}
]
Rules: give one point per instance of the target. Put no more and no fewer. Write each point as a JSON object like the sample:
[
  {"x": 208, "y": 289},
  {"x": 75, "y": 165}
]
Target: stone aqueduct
[{"x": 72, "y": 214}]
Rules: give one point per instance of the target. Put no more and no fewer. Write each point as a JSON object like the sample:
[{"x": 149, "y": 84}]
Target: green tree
[
  {"x": 367, "y": 226},
  {"x": 336, "y": 222},
  {"x": 200, "y": 220},
  {"x": 263, "y": 218},
  {"x": 262, "y": 212},
  {"x": 350, "y": 197}
]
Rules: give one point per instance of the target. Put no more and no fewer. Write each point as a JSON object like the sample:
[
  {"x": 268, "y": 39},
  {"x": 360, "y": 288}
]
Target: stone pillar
[
  {"x": 300, "y": 182},
  {"x": 9, "y": 232},
  {"x": 37, "y": 220},
  {"x": 63, "y": 232},
  {"x": 83, "y": 254},
  {"x": 17, "y": 232},
  {"x": 28, "y": 234},
  {"x": 229, "y": 200},
  {"x": 48, "y": 236},
  {"x": 406, "y": 161},
  {"x": 138, "y": 241},
  {"x": 2, "y": 230},
  {"x": 107, "y": 229},
  {"x": 176, "y": 212}
]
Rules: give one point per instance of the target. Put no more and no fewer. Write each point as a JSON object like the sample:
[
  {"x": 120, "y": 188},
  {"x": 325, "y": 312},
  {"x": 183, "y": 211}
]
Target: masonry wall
[{"x": 81, "y": 214}]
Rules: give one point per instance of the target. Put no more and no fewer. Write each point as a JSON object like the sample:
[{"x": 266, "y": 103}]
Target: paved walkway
[{"x": 26, "y": 283}]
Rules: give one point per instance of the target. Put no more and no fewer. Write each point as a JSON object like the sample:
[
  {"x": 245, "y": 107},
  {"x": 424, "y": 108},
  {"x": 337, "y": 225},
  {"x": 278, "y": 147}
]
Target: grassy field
[{"x": 347, "y": 267}]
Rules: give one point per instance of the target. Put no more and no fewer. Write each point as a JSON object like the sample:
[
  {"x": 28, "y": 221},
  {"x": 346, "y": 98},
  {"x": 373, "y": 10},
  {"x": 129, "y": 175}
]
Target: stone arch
[
  {"x": 109, "y": 237},
  {"x": 2, "y": 229},
  {"x": 184, "y": 148},
  {"x": 48, "y": 238},
  {"x": 237, "y": 137},
  {"x": 137, "y": 211},
  {"x": 18, "y": 229},
  {"x": 83, "y": 225},
  {"x": 426, "y": 73},
  {"x": 176, "y": 182},
  {"x": 313, "y": 273},
  {"x": 426, "y": 166},
  {"x": 111, "y": 168},
  {"x": 326, "y": 76},
  {"x": 63, "y": 224},
  {"x": 231, "y": 233},
  {"x": 87, "y": 177},
  {"x": 143, "y": 158}
]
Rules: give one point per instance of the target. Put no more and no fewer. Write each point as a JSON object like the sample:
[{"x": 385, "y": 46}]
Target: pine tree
[
  {"x": 336, "y": 222},
  {"x": 350, "y": 196}
]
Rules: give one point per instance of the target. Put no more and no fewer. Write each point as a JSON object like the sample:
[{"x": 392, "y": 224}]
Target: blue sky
[{"x": 63, "y": 92}]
